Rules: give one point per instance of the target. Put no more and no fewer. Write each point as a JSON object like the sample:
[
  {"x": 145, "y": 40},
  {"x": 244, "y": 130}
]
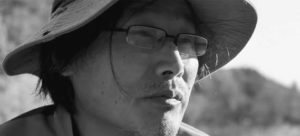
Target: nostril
[{"x": 167, "y": 73}]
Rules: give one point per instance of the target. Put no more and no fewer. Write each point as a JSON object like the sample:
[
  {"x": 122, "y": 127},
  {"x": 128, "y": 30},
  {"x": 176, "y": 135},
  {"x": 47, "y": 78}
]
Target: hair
[{"x": 58, "y": 54}]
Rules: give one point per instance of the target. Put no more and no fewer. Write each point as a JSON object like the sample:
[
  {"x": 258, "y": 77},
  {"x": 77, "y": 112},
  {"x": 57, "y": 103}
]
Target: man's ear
[
  {"x": 68, "y": 71},
  {"x": 65, "y": 71}
]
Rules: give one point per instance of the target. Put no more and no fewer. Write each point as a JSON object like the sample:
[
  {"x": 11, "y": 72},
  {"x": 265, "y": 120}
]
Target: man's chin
[
  {"x": 153, "y": 121},
  {"x": 168, "y": 126}
]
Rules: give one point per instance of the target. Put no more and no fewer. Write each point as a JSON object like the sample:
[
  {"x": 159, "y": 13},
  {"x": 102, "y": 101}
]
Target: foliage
[
  {"x": 18, "y": 20},
  {"x": 242, "y": 97}
]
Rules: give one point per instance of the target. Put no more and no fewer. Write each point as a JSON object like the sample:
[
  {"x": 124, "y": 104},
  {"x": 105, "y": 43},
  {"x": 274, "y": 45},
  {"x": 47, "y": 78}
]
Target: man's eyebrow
[
  {"x": 180, "y": 11},
  {"x": 184, "y": 18}
]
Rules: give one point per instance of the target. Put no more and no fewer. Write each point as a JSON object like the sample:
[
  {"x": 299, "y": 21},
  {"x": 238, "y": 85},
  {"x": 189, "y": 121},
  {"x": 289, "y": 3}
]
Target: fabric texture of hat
[{"x": 228, "y": 26}]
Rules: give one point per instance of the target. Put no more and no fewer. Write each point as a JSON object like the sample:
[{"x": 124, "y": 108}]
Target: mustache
[{"x": 172, "y": 85}]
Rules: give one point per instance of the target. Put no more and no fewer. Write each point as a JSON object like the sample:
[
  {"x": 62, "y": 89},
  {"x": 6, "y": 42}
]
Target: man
[{"x": 126, "y": 67}]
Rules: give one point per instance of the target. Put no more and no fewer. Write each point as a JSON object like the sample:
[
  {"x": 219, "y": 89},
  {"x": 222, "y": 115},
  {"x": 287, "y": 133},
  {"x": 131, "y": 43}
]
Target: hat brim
[{"x": 228, "y": 26}]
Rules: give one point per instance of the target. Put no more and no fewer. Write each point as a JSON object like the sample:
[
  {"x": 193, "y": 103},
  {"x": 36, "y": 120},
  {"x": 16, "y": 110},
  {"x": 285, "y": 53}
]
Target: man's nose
[{"x": 169, "y": 61}]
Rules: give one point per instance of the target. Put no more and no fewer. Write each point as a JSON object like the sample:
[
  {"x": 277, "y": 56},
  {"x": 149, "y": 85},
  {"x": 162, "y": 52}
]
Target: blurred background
[{"x": 256, "y": 94}]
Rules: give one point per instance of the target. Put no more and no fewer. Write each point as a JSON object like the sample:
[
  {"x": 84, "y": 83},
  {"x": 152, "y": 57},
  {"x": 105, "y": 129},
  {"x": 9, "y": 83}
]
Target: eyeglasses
[{"x": 188, "y": 45}]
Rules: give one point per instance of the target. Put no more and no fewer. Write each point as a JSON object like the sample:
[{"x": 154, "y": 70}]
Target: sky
[{"x": 274, "y": 49}]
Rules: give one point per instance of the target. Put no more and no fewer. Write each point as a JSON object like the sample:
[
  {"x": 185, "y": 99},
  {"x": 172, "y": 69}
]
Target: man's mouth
[
  {"x": 167, "y": 94},
  {"x": 165, "y": 98}
]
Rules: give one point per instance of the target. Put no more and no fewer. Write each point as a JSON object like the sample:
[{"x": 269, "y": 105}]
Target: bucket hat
[{"x": 228, "y": 26}]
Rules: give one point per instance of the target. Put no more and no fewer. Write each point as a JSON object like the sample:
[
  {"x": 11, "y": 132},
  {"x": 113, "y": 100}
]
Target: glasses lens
[
  {"x": 191, "y": 45},
  {"x": 144, "y": 37}
]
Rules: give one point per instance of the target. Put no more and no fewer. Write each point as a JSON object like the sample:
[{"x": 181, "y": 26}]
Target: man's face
[{"x": 138, "y": 90}]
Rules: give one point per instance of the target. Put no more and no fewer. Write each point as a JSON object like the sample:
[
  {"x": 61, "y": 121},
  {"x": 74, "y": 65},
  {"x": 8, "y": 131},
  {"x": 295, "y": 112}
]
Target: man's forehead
[
  {"x": 174, "y": 6},
  {"x": 179, "y": 8}
]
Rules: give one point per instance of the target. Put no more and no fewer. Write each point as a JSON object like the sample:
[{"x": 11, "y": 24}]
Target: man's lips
[
  {"x": 166, "y": 94},
  {"x": 166, "y": 98}
]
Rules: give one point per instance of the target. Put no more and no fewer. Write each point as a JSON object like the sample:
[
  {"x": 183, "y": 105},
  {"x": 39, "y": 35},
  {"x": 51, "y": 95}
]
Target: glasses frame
[{"x": 175, "y": 38}]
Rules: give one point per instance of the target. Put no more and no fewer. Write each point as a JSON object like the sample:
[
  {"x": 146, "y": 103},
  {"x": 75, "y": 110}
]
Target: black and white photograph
[{"x": 149, "y": 68}]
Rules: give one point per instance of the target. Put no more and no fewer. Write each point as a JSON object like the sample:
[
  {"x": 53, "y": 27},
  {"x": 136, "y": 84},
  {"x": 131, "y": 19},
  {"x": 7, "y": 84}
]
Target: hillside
[{"x": 242, "y": 98}]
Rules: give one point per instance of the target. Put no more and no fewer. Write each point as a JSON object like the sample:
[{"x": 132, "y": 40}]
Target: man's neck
[{"x": 90, "y": 125}]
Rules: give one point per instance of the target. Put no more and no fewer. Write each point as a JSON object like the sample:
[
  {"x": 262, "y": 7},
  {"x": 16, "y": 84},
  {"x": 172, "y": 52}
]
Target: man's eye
[
  {"x": 186, "y": 41},
  {"x": 142, "y": 39},
  {"x": 186, "y": 48},
  {"x": 144, "y": 34}
]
